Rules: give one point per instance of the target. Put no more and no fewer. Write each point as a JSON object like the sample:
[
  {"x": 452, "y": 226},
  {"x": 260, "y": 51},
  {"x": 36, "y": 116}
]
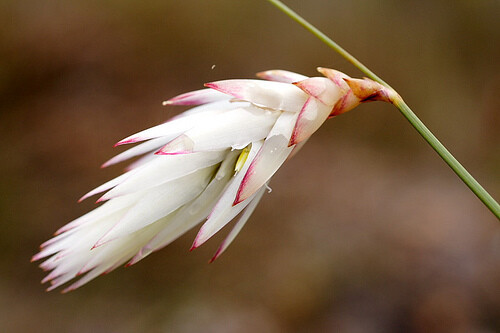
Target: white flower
[{"x": 212, "y": 162}]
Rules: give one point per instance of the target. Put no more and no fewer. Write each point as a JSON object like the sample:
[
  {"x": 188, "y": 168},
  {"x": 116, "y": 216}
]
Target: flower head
[{"x": 212, "y": 162}]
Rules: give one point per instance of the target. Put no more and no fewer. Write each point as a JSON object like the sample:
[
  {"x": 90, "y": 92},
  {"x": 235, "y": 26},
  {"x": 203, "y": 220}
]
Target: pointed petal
[
  {"x": 270, "y": 157},
  {"x": 87, "y": 278},
  {"x": 348, "y": 101},
  {"x": 313, "y": 115},
  {"x": 297, "y": 148},
  {"x": 335, "y": 76},
  {"x": 321, "y": 88},
  {"x": 274, "y": 95},
  {"x": 137, "y": 150},
  {"x": 109, "y": 184},
  {"x": 163, "y": 169},
  {"x": 159, "y": 202},
  {"x": 182, "y": 144},
  {"x": 193, "y": 213},
  {"x": 239, "y": 225},
  {"x": 232, "y": 129},
  {"x": 101, "y": 260},
  {"x": 281, "y": 76},
  {"x": 368, "y": 90},
  {"x": 202, "y": 96},
  {"x": 143, "y": 160},
  {"x": 102, "y": 211},
  {"x": 181, "y": 123},
  {"x": 82, "y": 238},
  {"x": 224, "y": 211}
]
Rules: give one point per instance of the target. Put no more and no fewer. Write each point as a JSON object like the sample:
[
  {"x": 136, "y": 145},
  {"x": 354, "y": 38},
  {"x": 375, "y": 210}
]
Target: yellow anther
[{"x": 242, "y": 158}]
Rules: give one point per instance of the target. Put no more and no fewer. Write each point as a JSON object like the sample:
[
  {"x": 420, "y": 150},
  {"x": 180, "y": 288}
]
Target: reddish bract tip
[
  {"x": 106, "y": 164},
  {"x": 309, "y": 89},
  {"x": 237, "y": 200},
  {"x": 368, "y": 90},
  {"x": 124, "y": 142},
  {"x": 82, "y": 271},
  {"x": 193, "y": 98},
  {"x": 334, "y": 76},
  {"x": 197, "y": 243},
  {"x": 229, "y": 87},
  {"x": 63, "y": 229},
  {"x": 67, "y": 290},
  {"x": 216, "y": 255},
  {"x": 265, "y": 75},
  {"x": 85, "y": 196},
  {"x": 239, "y": 195}
]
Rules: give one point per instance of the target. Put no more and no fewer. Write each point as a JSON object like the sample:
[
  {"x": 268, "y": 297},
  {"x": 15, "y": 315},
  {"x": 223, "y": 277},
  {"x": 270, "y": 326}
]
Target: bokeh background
[{"x": 366, "y": 229}]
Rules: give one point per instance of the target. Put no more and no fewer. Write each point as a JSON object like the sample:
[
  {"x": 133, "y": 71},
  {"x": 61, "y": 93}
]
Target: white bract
[{"x": 211, "y": 163}]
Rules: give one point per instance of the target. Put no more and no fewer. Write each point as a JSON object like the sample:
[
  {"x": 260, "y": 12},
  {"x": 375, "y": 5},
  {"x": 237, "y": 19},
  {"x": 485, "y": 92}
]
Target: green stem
[{"x": 461, "y": 172}]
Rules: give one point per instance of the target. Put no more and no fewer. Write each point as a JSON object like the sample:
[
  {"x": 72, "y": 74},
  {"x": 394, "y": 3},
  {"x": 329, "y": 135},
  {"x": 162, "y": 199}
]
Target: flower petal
[
  {"x": 233, "y": 129},
  {"x": 274, "y": 95},
  {"x": 182, "y": 123},
  {"x": 159, "y": 202},
  {"x": 193, "y": 213},
  {"x": 313, "y": 115},
  {"x": 137, "y": 150},
  {"x": 163, "y": 169},
  {"x": 102, "y": 211},
  {"x": 280, "y": 75},
  {"x": 348, "y": 100},
  {"x": 107, "y": 185},
  {"x": 143, "y": 160},
  {"x": 224, "y": 211},
  {"x": 197, "y": 97},
  {"x": 269, "y": 158},
  {"x": 336, "y": 77},
  {"x": 321, "y": 88},
  {"x": 239, "y": 225},
  {"x": 103, "y": 259}
]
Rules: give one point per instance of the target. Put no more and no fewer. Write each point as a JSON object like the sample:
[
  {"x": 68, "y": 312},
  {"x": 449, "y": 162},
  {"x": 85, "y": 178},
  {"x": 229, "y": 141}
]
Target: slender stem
[
  {"x": 461, "y": 172},
  {"x": 327, "y": 40}
]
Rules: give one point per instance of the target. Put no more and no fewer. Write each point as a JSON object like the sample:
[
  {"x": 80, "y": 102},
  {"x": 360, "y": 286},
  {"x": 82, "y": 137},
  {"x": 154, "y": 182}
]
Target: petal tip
[
  {"x": 83, "y": 198},
  {"x": 216, "y": 255},
  {"x": 237, "y": 200},
  {"x": 126, "y": 141},
  {"x": 198, "y": 241}
]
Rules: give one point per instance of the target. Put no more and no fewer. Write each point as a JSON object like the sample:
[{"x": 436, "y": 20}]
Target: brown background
[{"x": 366, "y": 230}]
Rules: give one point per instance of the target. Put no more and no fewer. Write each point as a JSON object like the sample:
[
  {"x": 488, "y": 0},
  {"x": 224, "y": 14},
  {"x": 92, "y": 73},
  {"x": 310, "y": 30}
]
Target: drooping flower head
[{"x": 211, "y": 163}]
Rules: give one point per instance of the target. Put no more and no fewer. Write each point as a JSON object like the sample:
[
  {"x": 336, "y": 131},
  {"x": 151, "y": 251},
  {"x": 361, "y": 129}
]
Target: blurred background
[{"x": 366, "y": 230}]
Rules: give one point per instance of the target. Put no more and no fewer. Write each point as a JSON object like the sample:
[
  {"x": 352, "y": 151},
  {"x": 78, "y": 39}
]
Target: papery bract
[{"x": 211, "y": 162}]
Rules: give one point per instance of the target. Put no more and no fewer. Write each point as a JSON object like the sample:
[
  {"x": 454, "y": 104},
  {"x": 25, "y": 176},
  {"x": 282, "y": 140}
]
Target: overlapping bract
[{"x": 211, "y": 162}]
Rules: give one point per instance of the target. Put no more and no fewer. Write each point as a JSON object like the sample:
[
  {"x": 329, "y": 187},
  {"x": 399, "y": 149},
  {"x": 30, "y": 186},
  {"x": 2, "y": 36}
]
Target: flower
[{"x": 211, "y": 162}]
